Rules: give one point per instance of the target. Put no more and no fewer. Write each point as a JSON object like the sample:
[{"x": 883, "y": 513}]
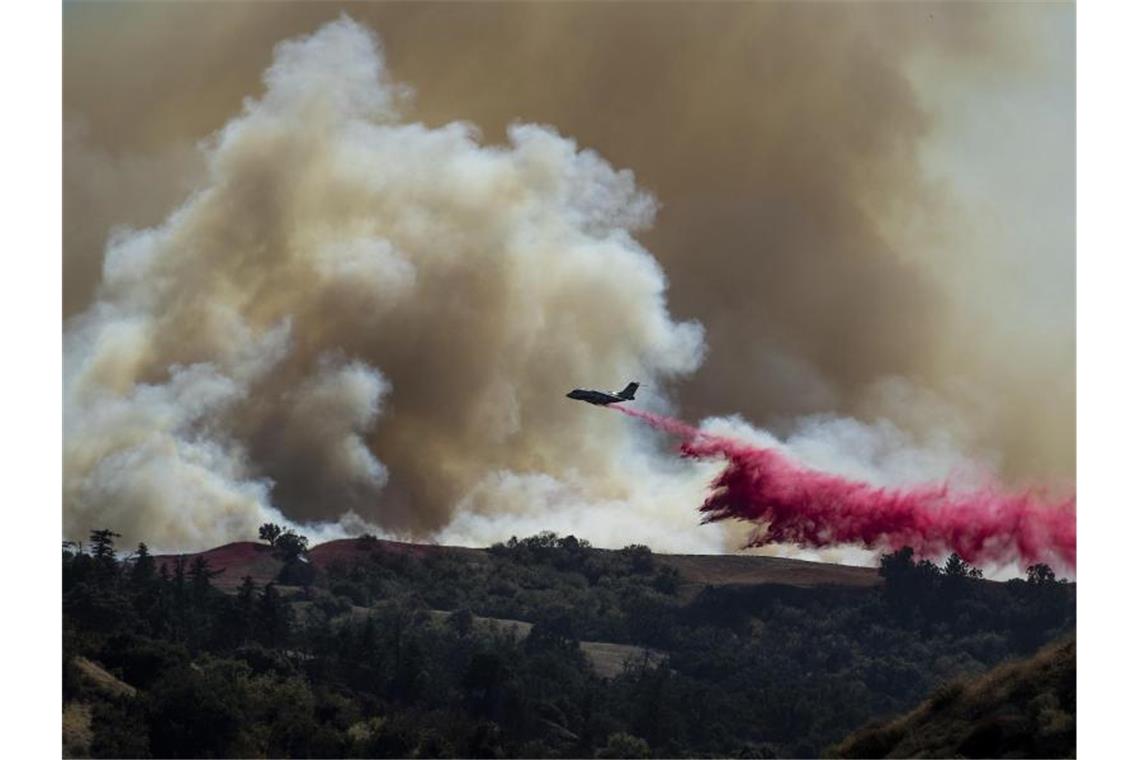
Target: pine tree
[
  {"x": 103, "y": 544},
  {"x": 103, "y": 554},
  {"x": 245, "y": 608},
  {"x": 272, "y": 617},
  {"x": 200, "y": 575},
  {"x": 956, "y": 567},
  {"x": 143, "y": 567}
]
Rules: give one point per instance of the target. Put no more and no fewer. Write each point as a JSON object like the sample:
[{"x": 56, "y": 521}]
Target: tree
[
  {"x": 1040, "y": 575},
  {"x": 103, "y": 544},
  {"x": 200, "y": 575},
  {"x": 143, "y": 567},
  {"x": 246, "y": 602},
  {"x": 639, "y": 556},
  {"x": 176, "y": 597},
  {"x": 288, "y": 546},
  {"x": 119, "y": 729},
  {"x": 485, "y": 684},
  {"x": 896, "y": 564},
  {"x": 909, "y": 585},
  {"x": 273, "y": 618},
  {"x": 245, "y": 595},
  {"x": 956, "y": 567},
  {"x": 196, "y": 711},
  {"x": 270, "y": 532},
  {"x": 103, "y": 553},
  {"x": 290, "y": 549},
  {"x": 624, "y": 745}
]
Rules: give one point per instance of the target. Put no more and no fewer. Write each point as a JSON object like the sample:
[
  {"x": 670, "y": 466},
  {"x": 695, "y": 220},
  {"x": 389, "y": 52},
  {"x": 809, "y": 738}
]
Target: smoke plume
[
  {"x": 793, "y": 504},
  {"x": 849, "y": 191},
  {"x": 362, "y": 314}
]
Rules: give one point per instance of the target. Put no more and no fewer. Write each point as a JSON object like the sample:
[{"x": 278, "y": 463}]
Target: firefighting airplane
[{"x": 603, "y": 398}]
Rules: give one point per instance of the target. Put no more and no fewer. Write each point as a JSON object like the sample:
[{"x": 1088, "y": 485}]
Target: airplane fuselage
[
  {"x": 603, "y": 398},
  {"x": 598, "y": 398}
]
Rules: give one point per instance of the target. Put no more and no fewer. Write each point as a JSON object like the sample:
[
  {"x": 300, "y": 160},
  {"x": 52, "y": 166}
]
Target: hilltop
[{"x": 236, "y": 560}]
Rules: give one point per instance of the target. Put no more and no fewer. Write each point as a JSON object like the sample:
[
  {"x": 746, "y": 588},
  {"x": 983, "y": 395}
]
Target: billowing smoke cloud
[
  {"x": 358, "y": 321},
  {"x": 848, "y": 191},
  {"x": 794, "y": 504},
  {"x": 356, "y": 315}
]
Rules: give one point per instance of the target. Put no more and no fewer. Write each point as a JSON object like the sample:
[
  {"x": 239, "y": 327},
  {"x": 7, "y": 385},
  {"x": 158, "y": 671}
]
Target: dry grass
[
  {"x": 77, "y": 734},
  {"x": 233, "y": 562},
  {"x": 77, "y": 731},
  {"x": 1019, "y": 709},
  {"x": 103, "y": 680},
  {"x": 607, "y": 659},
  {"x": 256, "y": 560},
  {"x": 725, "y": 569}
]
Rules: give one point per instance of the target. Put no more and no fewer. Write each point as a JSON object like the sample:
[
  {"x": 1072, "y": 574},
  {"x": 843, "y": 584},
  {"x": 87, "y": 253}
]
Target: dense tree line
[{"x": 354, "y": 662}]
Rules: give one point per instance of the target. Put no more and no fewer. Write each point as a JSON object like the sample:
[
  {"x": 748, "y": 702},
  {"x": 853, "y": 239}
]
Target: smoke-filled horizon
[{"x": 363, "y": 315}]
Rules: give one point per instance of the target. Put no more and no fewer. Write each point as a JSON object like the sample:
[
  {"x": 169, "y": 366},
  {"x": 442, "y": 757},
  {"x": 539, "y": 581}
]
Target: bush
[{"x": 624, "y": 745}]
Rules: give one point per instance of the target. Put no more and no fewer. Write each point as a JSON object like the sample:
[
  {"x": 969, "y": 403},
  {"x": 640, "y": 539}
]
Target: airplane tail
[{"x": 628, "y": 391}]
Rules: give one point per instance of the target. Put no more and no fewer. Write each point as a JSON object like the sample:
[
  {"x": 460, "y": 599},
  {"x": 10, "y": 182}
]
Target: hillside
[
  {"x": 233, "y": 562},
  {"x": 92, "y": 681},
  {"x": 236, "y": 560},
  {"x": 1020, "y": 709},
  {"x": 539, "y": 647}
]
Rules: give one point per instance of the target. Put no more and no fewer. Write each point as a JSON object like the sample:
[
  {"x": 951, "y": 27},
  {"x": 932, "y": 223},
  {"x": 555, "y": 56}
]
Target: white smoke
[{"x": 363, "y": 320}]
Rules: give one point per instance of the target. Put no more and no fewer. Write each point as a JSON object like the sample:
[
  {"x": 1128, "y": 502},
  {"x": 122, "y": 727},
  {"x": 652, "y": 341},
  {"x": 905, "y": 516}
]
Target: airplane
[{"x": 602, "y": 398}]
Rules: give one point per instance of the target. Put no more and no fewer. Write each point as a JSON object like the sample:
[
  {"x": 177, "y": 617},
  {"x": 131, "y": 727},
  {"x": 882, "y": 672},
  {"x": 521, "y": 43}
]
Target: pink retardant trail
[{"x": 810, "y": 508}]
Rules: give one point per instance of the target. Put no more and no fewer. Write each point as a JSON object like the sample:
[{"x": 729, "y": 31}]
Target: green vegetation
[{"x": 356, "y": 660}]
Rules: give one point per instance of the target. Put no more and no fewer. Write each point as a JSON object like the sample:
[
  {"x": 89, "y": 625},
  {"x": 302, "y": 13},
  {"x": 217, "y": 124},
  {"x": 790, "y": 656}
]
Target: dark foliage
[
  {"x": 269, "y": 533},
  {"x": 1021, "y": 709},
  {"x": 357, "y": 663}
]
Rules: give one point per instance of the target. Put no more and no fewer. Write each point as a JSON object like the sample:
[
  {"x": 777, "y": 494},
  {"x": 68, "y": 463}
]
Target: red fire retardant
[{"x": 791, "y": 503}]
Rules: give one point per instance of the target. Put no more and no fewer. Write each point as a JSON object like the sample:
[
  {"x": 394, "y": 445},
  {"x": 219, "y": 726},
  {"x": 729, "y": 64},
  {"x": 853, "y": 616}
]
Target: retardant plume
[{"x": 790, "y": 503}]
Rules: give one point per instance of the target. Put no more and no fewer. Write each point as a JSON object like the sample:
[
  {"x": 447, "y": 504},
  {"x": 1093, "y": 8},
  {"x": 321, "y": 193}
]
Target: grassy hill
[
  {"x": 239, "y": 559},
  {"x": 1019, "y": 709}
]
